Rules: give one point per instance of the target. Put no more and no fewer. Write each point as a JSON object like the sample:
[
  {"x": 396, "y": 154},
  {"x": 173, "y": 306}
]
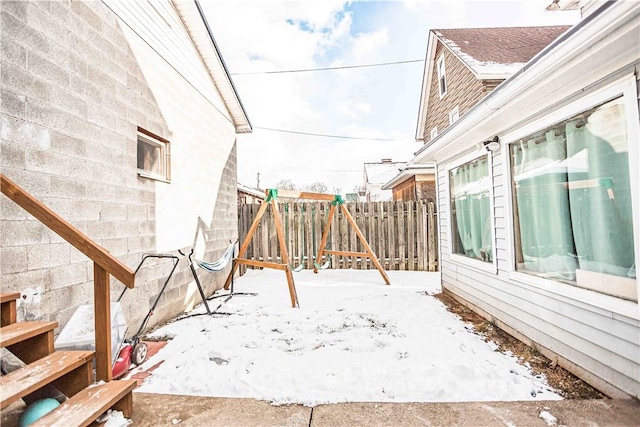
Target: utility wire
[
  {"x": 323, "y": 135},
  {"x": 329, "y": 68}
]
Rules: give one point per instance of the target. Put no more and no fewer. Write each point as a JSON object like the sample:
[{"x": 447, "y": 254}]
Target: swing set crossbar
[
  {"x": 264, "y": 264},
  {"x": 349, "y": 253}
]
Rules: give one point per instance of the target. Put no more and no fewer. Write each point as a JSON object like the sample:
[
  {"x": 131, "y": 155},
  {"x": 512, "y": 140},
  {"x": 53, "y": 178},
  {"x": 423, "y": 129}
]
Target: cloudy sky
[{"x": 377, "y": 106}]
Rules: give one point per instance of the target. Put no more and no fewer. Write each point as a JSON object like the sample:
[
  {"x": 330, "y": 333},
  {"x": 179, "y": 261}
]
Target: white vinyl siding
[{"x": 158, "y": 24}]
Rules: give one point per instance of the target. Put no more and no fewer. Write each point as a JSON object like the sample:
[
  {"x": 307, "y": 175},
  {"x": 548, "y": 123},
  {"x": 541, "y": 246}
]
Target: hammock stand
[{"x": 211, "y": 267}]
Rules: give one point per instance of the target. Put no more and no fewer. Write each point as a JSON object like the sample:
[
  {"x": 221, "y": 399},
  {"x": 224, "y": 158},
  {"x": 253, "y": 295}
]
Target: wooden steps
[
  {"x": 70, "y": 372},
  {"x": 90, "y": 403},
  {"x": 47, "y": 370}
]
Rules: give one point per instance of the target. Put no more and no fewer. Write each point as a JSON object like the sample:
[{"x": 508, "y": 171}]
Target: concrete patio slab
[{"x": 166, "y": 410}]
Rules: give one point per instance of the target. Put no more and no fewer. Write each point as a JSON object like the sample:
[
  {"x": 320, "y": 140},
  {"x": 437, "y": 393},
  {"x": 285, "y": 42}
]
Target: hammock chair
[{"x": 211, "y": 267}]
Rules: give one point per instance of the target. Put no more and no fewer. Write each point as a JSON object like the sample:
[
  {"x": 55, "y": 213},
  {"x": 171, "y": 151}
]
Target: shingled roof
[{"x": 490, "y": 51}]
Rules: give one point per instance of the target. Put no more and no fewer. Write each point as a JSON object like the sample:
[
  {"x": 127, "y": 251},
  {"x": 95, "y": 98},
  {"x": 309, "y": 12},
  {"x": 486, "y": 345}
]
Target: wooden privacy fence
[{"x": 401, "y": 234}]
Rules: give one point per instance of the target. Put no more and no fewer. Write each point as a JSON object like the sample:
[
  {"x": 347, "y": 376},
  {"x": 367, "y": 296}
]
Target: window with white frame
[
  {"x": 454, "y": 115},
  {"x": 572, "y": 209},
  {"x": 153, "y": 156},
  {"x": 471, "y": 225},
  {"x": 442, "y": 78},
  {"x": 434, "y": 132}
]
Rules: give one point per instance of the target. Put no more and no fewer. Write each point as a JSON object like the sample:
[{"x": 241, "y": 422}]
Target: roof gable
[{"x": 489, "y": 53}]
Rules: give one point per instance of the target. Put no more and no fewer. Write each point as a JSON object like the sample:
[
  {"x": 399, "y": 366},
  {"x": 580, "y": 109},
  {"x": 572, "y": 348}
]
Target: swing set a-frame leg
[
  {"x": 325, "y": 235},
  {"x": 364, "y": 242},
  {"x": 283, "y": 250},
  {"x": 247, "y": 241}
]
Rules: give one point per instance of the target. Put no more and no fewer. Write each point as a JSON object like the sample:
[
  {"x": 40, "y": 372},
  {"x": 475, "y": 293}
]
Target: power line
[
  {"x": 304, "y": 70},
  {"x": 323, "y": 135}
]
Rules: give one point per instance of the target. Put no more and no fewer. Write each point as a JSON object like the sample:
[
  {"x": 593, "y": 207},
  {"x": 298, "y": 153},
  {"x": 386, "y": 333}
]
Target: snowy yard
[{"x": 353, "y": 339}]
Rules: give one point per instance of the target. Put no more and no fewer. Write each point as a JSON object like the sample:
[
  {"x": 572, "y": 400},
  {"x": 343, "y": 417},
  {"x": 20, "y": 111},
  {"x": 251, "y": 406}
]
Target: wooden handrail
[
  {"x": 67, "y": 231},
  {"x": 103, "y": 265}
]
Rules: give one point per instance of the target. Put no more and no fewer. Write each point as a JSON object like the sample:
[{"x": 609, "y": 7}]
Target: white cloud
[{"x": 375, "y": 102}]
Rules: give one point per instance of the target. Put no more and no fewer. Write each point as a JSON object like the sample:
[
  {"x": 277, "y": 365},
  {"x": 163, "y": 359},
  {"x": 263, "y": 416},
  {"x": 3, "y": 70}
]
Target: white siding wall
[{"x": 593, "y": 335}]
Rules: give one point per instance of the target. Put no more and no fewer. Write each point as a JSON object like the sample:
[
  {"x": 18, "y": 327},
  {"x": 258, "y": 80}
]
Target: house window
[
  {"x": 442, "y": 78},
  {"x": 573, "y": 219},
  {"x": 153, "y": 156},
  {"x": 454, "y": 115},
  {"x": 434, "y": 132},
  {"x": 471, "y": 227}
]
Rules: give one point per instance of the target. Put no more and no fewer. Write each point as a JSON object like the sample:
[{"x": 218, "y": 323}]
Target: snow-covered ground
[{"x": 353, "y": 339}]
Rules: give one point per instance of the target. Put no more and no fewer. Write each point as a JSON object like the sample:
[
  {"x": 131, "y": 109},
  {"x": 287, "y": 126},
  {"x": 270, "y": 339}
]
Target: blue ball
[{"x": 37, "y": 410}]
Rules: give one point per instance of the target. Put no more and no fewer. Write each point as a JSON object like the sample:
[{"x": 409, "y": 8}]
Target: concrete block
[
  {"x": 116, "y": 246},
  {"x": 15, "y": 54},
  {"x": 84, "y": 10},
  {"x": 18, "y": 9},
  {"x": 136, "y": 213},
  {"x": 16, "y": 282},
  {"x": 43, "y": 21},
  {"x": 47, "y": 255},
  {"x": 47, "y": 162},
  {"x": 33, "y": 182},
  {"x": 140, "y": 244},
  {"x": 25, "y": 133},
  {"x": 113, "y": 212},
  {"x": 14, "y": 260},
  {"x": 13, "y": 156},
  {"x": 126, "y": 228},
  {"x": 99, "y": 191},
  {"x": 15, "y": 30},
  {"x": 47, "y": 70},
  {"x": 60, "y": 205},
  {"x": 18, "y": 233},
  {"x": 70, "y": 275},
  {"x": 85, "y": 210},
  {"x": 11, "y": 211},
  {"x": 66, "y": 144},
  {"x": 99, "y": 230},
  {"x": 25, "y": 84},
  {"x": 67, "y": 101},
  {"x": 60, "y": 11},
  {"x": 13, "y": 104}
]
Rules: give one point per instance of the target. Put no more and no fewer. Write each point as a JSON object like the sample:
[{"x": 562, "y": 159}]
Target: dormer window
[{"x": 442, "y": 77}]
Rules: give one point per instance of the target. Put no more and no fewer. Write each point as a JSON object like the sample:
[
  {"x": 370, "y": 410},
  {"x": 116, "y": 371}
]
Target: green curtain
[
  {"x": 601, "y": 210},
  {"x": 472, "y": 212},
  {"x": 573, "y": 196},
  {"x": 543, "y": 206}
]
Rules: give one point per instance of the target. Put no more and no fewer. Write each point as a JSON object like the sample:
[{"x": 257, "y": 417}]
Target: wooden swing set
[{"x": 271, "y": 200}]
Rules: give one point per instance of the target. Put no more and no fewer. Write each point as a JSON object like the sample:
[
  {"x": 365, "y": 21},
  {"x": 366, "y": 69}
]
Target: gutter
[{"x": 224, "y": 66}]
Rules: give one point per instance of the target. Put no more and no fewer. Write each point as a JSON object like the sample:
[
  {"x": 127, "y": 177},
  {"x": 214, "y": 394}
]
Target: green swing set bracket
[
  {"x": 272, "y": 194},
  {"x": 337, "y": 201}
]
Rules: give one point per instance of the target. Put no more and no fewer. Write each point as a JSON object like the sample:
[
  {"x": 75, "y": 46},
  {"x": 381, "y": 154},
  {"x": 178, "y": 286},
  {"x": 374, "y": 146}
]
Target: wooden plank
[
  {"x": 401, "y": 236},
  {"x": 352, "y": 244},
  {"x": 366, "y": 245},
  {"x": 325, "y": 235},
  {"x": 87, "y": 405},
  {"x": 392, "y": 237},
  {"x": 305, "y": 195},
  {"x": 8, "y": 310},
  {"x": 421, "y": 241},
  {"x": 102, "y": 318},
  {"x": 261, "y": 264},
  {"x": 28, "y": 341},
  {"x": 411, "y": 229},
  {"x": 67, "y": 231},
  {"x": 36, "y": 375},
  {"x": 372, "y": 234},
  {"x": 433, "y": 236}
]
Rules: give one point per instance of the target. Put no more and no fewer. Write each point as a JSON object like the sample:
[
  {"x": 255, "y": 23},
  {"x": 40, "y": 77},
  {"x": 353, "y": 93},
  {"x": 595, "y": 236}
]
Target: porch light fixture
[{"x": 492, "y": 145}]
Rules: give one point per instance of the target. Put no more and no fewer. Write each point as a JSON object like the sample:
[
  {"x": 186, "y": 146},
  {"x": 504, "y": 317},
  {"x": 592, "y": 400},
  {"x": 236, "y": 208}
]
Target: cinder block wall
[{"x": 73, "y": 94}]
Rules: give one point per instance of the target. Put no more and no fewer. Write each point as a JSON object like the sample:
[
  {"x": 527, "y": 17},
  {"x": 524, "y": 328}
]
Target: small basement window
[{"x": 153, "y": 156}]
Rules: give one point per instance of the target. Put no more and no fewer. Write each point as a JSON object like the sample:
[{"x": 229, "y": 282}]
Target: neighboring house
[
  {"x": 122, "y": 118},
  {"x": 462, "y": 66},
  {"x": 375, "y": 176},
  {"x": 539, "y": 198},
  {"x": 413, "y": 182},
  {"x": 248, "y": 195}
]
